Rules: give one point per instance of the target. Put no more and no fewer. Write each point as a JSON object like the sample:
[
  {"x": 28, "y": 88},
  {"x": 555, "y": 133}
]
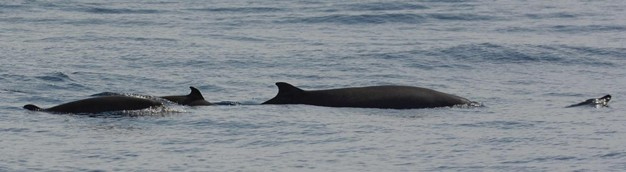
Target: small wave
[
  {"x": 101, "y": 10},
  {"x": 558, "y": 54},
  {"x": 551, "y": 15},
  {"x": 12, "y": 91},
  {"x": 511, "y": 29},
  {"x": 448, "y": 1},
  {"x": 362, "y": 19},
  {"x": 108, "y": 22},
  {"x": 408, "y": 58},
  {"x": 9, "y": 7},
  {"x": 384, "y": 6},
  {"x": 55, "y": 77},
  {"x": 242, "y": 38},
  {"x": 101, "y": 38},
  {"x": 41, "y": 20},
  {"x": 545, "y": 159},
  {"x": 492, "y": 53},
  {"x": 500, "y": 124},
  {"x": 407, "y": 18},
  {"x": 587, "y": 28},
  {"x": 273, "y": 143},
  {"x": 50, "y": 81},
  {"x": 14, "y": 130},
  {"x": 236, "y": 126},
  {"x": 616, "y": 155},
  {"x": 240, "y": 9},
  {"x": 509, "y": 140},
  {"x": 564, "y": 94},
  {"x": 460, "y": 17}
]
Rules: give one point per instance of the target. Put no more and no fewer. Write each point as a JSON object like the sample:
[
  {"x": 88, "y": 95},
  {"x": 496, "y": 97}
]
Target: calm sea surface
[{"x": 524, "y": 60}]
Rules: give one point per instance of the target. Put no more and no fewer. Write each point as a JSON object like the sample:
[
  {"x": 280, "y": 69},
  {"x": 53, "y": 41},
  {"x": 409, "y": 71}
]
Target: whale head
[
  {"x": 603, "y": 101},
  {"x": 597, "y": 102},
  {"x": 32, "y": 107}
]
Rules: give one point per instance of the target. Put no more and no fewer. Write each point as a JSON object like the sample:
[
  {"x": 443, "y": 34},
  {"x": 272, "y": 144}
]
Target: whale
[
  {"x": 383, "y": 97},
  {"x": 595, "y": 102},
  {"x": 100, "y": 104},
  {"x": 194, "y": 98}
]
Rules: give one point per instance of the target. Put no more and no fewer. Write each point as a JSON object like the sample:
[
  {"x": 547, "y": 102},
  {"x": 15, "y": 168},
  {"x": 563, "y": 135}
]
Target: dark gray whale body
[
  {"x": 194, "y": 98},
  {"x": 100, "y": 104},
  {"x": 598, "y": 102},
  {"x": 385, "y": 97}
]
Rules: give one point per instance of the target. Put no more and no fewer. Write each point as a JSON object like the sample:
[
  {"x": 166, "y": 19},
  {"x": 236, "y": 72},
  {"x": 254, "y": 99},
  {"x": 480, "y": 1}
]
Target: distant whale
[
  {"x": 100, "y": 104},
  {"x": 194, "y": 98},
  {"x": 598, "y": 102},
  {"x": 386, "y": 97}
]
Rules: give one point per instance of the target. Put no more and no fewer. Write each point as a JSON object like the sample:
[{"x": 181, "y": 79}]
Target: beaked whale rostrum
[
  {"x": 597, "y": 102},
  {"x": 194, "y": 98},
  {"x": 100, "y": 104},
  {"x": 385, "y": 97}
]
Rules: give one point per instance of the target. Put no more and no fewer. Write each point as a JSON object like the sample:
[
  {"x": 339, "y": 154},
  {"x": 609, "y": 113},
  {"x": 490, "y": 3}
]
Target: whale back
[
  {"x": 100, "y": 104},
  {"x": 597, "y": 102},
  {"x": 387, "y": 97},
  {"x": 194, "y": 98}
]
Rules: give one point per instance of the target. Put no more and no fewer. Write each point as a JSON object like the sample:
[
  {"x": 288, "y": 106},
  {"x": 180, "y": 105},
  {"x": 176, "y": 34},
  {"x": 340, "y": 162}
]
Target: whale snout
[{"x": 32, "y": 107}]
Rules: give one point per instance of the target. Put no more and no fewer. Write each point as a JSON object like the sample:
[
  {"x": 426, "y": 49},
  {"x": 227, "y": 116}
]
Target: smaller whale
[
  {"x": 384, "y": 97},
  {"x": 597, "y": 102},
  {"x": 100, "y": 104},
  {"x": 194, "y": 98}
]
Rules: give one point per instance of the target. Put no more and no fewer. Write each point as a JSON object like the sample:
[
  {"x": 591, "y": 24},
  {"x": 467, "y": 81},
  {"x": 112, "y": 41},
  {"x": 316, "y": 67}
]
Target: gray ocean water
[{"x": 524, "y": 60}]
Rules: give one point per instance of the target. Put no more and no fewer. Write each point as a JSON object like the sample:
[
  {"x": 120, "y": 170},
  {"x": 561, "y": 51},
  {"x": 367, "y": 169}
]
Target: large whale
[
  {"x": 100, "y": 104},
  {"x": 194, "y": 98},
  {"x": 597, "y": 102},
  {"x": 386, "y": 97}
]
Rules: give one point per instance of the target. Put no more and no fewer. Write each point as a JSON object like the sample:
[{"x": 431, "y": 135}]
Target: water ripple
[
  {"x": 614, "y": 155},
  {"x": 587, "y": 28},
  {"x": 240, "y": 9},
  {"x": 407, "y": 18},
  {"x": 546, "y": 159},
  {"x": 102, "y": 10},
  {"x": 501, "y": 124},
  {"x": 361, "y": 19},
  {"x": 55, "y": 77},
  {"x": 559, "y": 54},
  {"x": 382, "y": 6}
]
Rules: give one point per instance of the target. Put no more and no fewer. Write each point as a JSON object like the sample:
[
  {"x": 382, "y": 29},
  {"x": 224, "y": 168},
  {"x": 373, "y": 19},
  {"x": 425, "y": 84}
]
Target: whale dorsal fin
[
  {"x": 32, "y": 107},
  {"x": 286, "y": 88},
  {"x": 195, "y": 94},
  {"x": 287, "y": 94}
]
